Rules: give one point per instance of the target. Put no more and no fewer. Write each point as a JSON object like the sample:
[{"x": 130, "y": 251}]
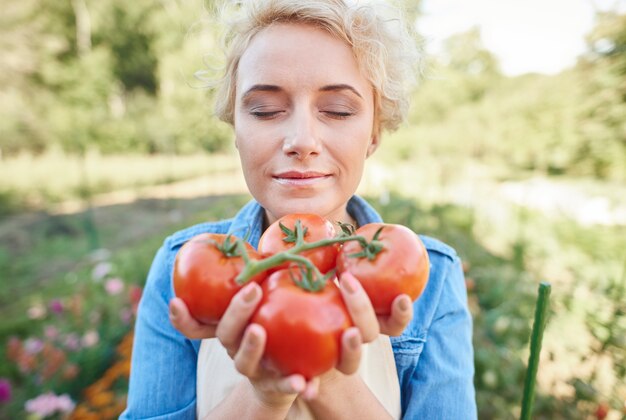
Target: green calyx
[
  {"x": 370, "y": 249},
  {"x": 295, "y": 235}
]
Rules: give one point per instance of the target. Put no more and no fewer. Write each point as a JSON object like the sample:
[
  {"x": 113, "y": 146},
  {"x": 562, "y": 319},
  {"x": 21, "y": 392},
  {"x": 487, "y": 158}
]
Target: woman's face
[{"x": 304, "y": 119}]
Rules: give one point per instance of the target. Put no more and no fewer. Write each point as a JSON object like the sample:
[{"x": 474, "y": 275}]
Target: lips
[
  {"x": 300, "y": 178},
  {"x": 300, "y": 175}
]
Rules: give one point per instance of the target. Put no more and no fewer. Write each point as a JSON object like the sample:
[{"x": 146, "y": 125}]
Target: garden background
[{"x": 107, "y": 145}]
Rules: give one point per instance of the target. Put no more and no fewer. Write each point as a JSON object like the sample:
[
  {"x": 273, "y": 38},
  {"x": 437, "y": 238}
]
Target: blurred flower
[
  {"x": 37, "y": 311},
  {"x": 126, "y": 315},
  {"x": 71, "y": 342},
  {"x": 14, "y": 348},
  {"x": 26, "y": 362},
  {"x": 90, "y": 338},
  {"x": 75, "y": 305},
  {"x": 71, "y": 371},
  {"x": 134, "y": 294},
  {"x": 51, "y": 332},
  {"x": 100, "y": 271},
  {"x": 53, "y": 359},
  {"x": 101, "y": 254},
  {"x": 602, "y": 411},
  {"x": 5, "y": 390},
  {"x": 48, "y": 404},
  {"x": 56, "y": 306},
  {"x": 114, "y": 286},
  {"x": 33, "y": 345}
]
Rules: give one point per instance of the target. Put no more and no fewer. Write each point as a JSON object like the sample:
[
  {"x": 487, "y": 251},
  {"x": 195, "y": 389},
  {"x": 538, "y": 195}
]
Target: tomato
[
  {"x": 401, "y": 267},
  {"x": 204, "y": 277},
  {"x": 275, "y": 240},
  {"x": 303, "y": 328}
]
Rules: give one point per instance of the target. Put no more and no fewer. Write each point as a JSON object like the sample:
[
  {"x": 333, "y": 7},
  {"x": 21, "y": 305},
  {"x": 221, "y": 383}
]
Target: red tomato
[
  {"x": 204, "y": 278},
  {"x": 275, "y": 240},
  {"x": 303, "y": 328},
  {"x": 401, "y": 267}
]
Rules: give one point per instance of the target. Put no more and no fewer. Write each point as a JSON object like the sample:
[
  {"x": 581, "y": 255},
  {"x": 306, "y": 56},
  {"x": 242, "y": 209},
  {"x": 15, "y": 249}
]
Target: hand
[
  {"x": 364, "y": 317},
  {"x": 182, "y": 320},
  {"x": 245, "y": 343}
]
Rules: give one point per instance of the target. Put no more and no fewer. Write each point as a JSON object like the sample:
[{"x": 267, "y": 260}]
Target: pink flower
[
  {"x": 90, "y": 338},
  {"x": 126, "y": 315},
  {"x": 33, "y": 345},
  {"x": 100, "y": 271},
  {"x": 56, "y": 306},
  {"x": 5, "y": 390},
  {"x": 51, "y": 332},
  {"x": 72, "y": 342},
  {"x": 114, "y": 286},
  {"x": 47, "y": 404}
]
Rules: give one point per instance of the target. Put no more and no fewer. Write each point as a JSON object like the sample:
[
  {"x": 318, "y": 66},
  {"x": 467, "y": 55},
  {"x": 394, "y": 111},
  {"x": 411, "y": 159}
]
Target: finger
[
  {"x": 311, "y": 389},
  {"x": 360, "y": 307},
  {"x": 292, "y": 384},
  {"x": 183, "y": 321},
  {"x": 232, "y": 325},
  {"x": 251, "y": 350},
  {"x": 401, "y": 315},
  {"x": 350, "y": 351}
]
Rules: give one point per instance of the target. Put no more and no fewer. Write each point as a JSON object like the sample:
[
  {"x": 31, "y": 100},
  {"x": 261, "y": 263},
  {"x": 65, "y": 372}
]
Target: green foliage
[{"x": 113, "y": 76}]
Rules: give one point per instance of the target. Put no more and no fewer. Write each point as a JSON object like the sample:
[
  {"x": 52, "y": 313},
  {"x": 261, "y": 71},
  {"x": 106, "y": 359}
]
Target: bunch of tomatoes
[{"x": 297, "y": 264}]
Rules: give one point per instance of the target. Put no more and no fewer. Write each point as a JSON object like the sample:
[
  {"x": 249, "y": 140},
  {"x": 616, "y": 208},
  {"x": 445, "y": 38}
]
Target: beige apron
[{"x": 217, "y": 376}]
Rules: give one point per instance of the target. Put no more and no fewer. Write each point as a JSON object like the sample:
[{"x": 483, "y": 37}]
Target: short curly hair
[{"x": 384, "y": 48}]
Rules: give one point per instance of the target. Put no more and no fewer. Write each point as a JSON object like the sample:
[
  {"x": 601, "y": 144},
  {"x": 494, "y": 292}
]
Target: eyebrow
[
  {"x": 260, "y": 88},
  {"x": 333, "y": 88},
  {"x": 274, "y": 88}
]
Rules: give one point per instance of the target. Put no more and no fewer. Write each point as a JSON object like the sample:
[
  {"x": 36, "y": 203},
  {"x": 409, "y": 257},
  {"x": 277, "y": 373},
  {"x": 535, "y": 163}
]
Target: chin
[{"x": 291, "y": 206}]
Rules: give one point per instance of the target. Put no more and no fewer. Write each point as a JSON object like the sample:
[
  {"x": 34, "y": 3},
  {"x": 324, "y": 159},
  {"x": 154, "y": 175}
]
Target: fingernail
[
  {"x": 250, "y": 293},
  {"x": 173, "y": 311},
  {"x": 348, "y": 283},
  {"x": 296, "y": 385},
  {"x": 354, "y": 342},
  {"x": 253, "y": 340},
  {"x": 404, "y": 304}
]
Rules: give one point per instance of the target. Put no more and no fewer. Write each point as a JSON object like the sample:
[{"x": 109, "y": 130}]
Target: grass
[{"x": 36, "y": 182}]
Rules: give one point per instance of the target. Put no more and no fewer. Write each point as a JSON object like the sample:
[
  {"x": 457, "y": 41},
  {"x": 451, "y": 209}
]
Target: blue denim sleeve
[
  {"x": 438, "y": 381},
  {"x": 163, "y": 366}
]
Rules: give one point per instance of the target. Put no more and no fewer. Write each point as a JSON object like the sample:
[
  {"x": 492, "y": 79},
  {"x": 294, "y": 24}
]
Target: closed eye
[
  {"x": 265, "y": 115},
  {"x": 340, "y": 115}
]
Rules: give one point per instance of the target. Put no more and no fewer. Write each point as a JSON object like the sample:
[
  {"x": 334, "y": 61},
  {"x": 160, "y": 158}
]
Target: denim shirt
[{"x": 434, "y": 355}]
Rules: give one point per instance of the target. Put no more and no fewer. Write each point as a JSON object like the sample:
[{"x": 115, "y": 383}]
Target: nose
[{"x": 302, "y": 139}]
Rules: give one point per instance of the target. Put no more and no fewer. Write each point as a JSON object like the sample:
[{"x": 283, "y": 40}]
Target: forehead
[{"x": 298, "y": 55}]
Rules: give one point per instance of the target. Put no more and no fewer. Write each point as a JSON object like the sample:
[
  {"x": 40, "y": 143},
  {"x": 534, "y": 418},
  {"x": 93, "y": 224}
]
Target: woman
[{"x": 309, "y": 87}]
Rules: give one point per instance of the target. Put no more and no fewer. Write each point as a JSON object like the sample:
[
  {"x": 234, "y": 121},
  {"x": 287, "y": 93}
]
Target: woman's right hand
[{"x": 245, "y": 344}]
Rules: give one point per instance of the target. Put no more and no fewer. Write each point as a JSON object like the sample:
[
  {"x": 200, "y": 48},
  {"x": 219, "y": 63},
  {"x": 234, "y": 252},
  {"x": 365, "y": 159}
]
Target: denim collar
[{"x": 250, "y": 218}]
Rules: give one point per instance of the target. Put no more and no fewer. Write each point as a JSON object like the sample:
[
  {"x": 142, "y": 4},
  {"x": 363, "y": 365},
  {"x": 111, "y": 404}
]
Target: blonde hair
[{"x": 383, "y": 47}]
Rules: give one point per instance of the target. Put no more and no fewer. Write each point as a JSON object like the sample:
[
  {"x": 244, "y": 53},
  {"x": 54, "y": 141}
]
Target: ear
[{"x": 374, "y": 141}]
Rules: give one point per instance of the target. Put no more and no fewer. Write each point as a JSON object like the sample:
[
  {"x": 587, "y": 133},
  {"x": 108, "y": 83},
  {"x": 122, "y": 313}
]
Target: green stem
[
  {"x": 541, "y": 311},
  {"x": 254, "y": 267}
]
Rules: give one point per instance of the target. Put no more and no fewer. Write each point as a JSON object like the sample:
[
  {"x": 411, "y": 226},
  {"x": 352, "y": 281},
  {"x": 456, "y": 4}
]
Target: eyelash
[
  {"x": 264, "y": 115},
  {"x": 270, "y": 114}
]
